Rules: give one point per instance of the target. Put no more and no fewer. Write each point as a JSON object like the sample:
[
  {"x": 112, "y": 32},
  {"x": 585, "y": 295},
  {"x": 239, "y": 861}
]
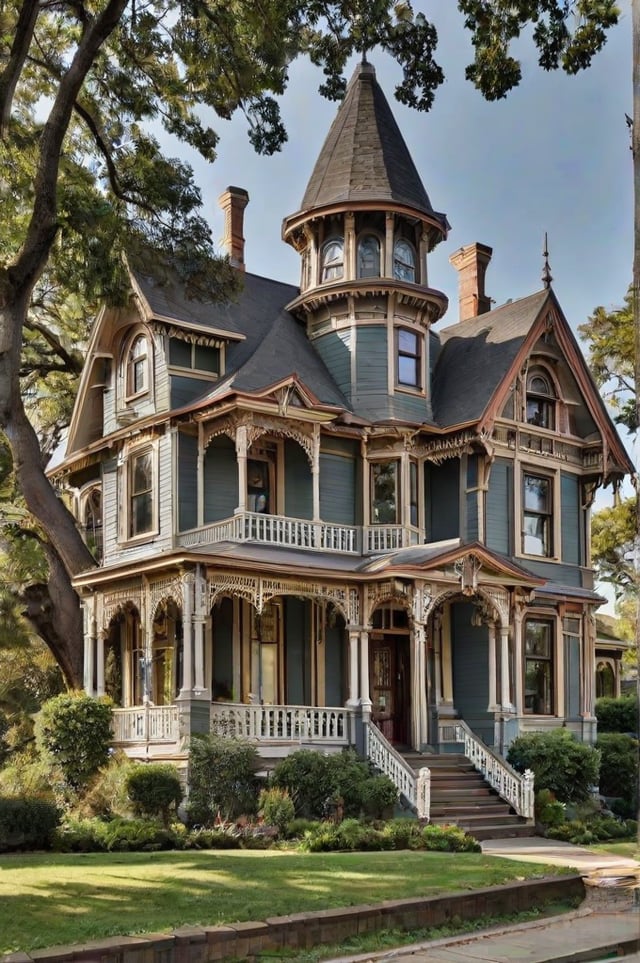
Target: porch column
[
  {"x": 241, "y": 454},
  {"x": 89, "y": 649},
  {"x": 354, "y": 638},
  {"x": 199, "y": 616},
  {"x": 518, "y": 647},
  {"x": 505, "y": 687},
  {"x": 419, "y": 686},
  {"x": 365, "y": 697},
  {"x": 492, "y": 668},
  {"x": 100, "y": 664},
  {"x": 315, "y": 473},
  {"x": 588, "y": 664},
  {"x": 187, "y": 639},
  {"x": 447, "y": 667}
]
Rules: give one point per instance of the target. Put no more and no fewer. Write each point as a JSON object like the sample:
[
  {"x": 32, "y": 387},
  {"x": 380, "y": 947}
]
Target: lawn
[
  {"x": 625, "y": 848},
  {"x": 48, "y": 900}
]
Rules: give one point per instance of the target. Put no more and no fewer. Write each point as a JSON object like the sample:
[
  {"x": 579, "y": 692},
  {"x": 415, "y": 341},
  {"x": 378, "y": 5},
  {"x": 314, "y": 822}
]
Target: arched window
[
  {"x": 138, "y": 366},
  {"x": 333, "y": 260},
  {"x": 92, "y": 521},
  {"x": 404, "y": 261},
  {"x": 369, "y": 256},
  {"x": 541, "y": 401},
  {"x": 605, "y": 681}
]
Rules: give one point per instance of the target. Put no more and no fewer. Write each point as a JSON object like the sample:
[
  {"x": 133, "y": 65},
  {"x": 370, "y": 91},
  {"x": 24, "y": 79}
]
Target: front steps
[{"x": 461, "y": 796}]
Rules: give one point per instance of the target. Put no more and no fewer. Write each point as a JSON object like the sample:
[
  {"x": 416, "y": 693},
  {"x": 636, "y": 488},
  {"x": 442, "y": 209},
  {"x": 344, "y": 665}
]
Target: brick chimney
[
  {"x": 233, "y": 202},
  {"x": 471, "y": 264}
]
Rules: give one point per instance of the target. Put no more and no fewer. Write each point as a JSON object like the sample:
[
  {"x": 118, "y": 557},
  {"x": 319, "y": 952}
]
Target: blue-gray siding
[
  {"x": 296, "y": 624},
  {"x": 187, "y": 481},
  {"x": 471, "y": 527},
  {"x": 442, "y": 500},
  {"x": 185, "y": 389},
  {"x": 470, "y": 659},
  {"x": 570, "y": 518},
  {"x": 220, "y": 480},
  {"x": 334, "y": 662},
  {"x": 222, "y": 681},
  {"x": 334, "y": 349},
  {"x": 499, "y": 534},
  {"x": 572, "y": 677},
  {"x": 337, "y": 489},
  {"x": 298, "y": 485}
]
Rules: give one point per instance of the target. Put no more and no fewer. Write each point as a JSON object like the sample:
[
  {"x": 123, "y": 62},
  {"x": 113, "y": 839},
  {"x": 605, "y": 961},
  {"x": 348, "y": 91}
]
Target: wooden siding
[
  {"x": 469, "y": 646},
  {"x": 334, "y": 664},
  {"x": 570, "y": 518},
  {"x": 470, "y": 527},
  {"x": 298, "y": 483},
  {"x": 187, "y": 481},
  {"x": 499, "y": 522},
  {"x": 185, "y": 389},
  {"x": 110, "y": 513},
  {"x": 335, "y": 350},
  {"x": 442, "y": 500},
  {"x": 220, "y": 480},
  {"x": 337, "y": 489},
  {"x": 555, "y": 572},
  {"x": 296, "y": 625},
  {"x": 161, "y": 375},
  {"x": 371, "y": 392},
  {"x": 572, "y": 677},
  {"x": 222, "y": 687}
]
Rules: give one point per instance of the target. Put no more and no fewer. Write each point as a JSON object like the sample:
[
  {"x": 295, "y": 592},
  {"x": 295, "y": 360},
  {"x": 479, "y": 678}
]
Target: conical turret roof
[{"x": 364, "y": 157}]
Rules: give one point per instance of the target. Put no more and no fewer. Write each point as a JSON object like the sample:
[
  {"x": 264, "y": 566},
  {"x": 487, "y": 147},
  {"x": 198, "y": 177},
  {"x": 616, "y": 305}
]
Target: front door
[{"x": 390, "y": 676}]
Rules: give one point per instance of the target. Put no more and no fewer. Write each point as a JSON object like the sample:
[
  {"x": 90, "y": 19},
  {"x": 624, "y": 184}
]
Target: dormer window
[
  {"x": 409, "y": 358},
  {"x": 369, "y": 256},
  {"x": 138, "y": 366},
  {"x": 333, "y": 260},
  {"x": 404, "y": 261},
  {"x": 541, "y": 401}
]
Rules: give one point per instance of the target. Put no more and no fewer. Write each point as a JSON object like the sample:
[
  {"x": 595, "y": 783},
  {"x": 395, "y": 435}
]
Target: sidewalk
[{"x": 606, "y": 925}]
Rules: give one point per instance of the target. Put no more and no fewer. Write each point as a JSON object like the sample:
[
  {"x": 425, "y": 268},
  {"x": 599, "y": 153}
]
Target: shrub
[
  {"x": 26, "y": 775},
  {"x": 222, "y": 779},
  {"x": 618, "y": 765},
  {"x": 347, "y": 776},
  {"x": 404, "y": 832},
  {"x": 106, "y": 795},
  {"x": 73, "y": 732},
  {"x": 154, "y": 789},
  {"x": 298, "y": 827},
  {"x": 449, "y": 839},
  {"x": 560, "y": 763},
  {"x": 304, "y": 774},
  {"x": 277, "y": 809},
  {"x": 27, "y": 823},
  {"x": 379, "y": 796},
  {"x": 584, "y": 832},
  {"x": 617, "y": 715},
  {"x": 549, "y": 812}
]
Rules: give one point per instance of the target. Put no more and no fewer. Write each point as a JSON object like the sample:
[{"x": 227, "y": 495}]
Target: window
[
  {"x": 409, "y": 358},
  {"x": 141, "y": 494},
  {"x": 537, "y": 515},
  {"x": 384, "y": 493},
  {"x": 413, "y": 494},
  {"x": 605, "y": 681},
  {"x": 541, "y": 403},
  {"x": 92, "y": 522},
  {"x": 258, "y": 486},
  {"x": 404, "y": 261},
  {"x": 538, "y": 668},
  {"x": 138, "y": 366},
  {"x": 333, "y": 259},
  {"x": 369, "y": 257},
  {"x": 197, "y": 357}
]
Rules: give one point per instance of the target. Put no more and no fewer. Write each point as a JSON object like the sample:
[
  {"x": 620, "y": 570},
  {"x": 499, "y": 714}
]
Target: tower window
[
  {"x": 369, "y": 257},
  {"x": 409, "y": 358},
  {"x": 404, "y": 261},
  {"x": 541, "y": 401},
  {"x": 138, "y": 366},
  {"x": 333, "y": 260}
]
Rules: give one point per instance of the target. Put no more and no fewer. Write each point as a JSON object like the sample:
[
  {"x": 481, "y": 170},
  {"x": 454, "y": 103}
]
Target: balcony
[{"x": 278, "y": 530}]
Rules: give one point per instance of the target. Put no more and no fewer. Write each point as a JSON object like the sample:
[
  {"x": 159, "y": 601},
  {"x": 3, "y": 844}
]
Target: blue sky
[{"x": 554, "y": 156}]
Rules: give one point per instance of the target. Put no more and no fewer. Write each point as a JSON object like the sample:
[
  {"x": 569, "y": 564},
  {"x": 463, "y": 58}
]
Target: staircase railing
[
  {"x": 417, "y": 791},
  {"x": 516, "y": 789}
]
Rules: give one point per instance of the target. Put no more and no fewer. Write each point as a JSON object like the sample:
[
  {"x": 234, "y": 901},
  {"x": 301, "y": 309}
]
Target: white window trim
[
  {"x": 553, "y": 474},
  {"x": 368, "y": 232},
  {"x": 124, "y": 494},
  {"x": 199, "y": 373},
  {"x": 557, "y": 662},
  {"x": 124, "y": 394}
]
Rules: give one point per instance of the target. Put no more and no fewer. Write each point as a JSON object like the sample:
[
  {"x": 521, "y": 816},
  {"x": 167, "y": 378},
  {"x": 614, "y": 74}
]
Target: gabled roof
[
  {"x": 420, "y": 559},
  {"x": 364, "y": 157}
]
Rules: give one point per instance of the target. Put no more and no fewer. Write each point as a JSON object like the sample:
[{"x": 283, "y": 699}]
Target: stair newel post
[
  {"x": 423, "y": 793},
  {"x": 528, "y": 794}
]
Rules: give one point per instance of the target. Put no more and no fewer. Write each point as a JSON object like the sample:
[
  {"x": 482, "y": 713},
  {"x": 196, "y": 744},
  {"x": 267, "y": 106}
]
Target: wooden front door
[{"x": 390, "y": 685}]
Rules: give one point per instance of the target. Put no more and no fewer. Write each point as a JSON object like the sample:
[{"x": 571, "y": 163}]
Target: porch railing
[
  {"x": 146, "y": 724},
  {"x": 384, "y": 538},
  {"x": 516, "y": 789},
  {"x": 275, "y": 530},
  {"x": 308, "y": 724},
  {"x": 415, "y": 789}
]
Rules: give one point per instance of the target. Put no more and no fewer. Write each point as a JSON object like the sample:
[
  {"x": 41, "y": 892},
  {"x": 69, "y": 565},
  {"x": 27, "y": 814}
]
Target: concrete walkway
[{"x": 606, "y": 925}]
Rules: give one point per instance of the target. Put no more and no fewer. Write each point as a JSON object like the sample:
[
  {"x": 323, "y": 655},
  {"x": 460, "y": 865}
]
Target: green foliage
[
  {"x": 618, "y": 766},
  {"x": 25, "y": 774},
  {"x": 277, "y": 809},
  {"x": 73, "y": 732},
  {"x": 612, "y": 539},
  {"x": 379, "y": 796},
  {"x": 549, "y": 812},
  {"x": 107, "y": 796},
  {"x": 298, "y": 827},
  {"x": 560, "y": 763},
  {"x": 352, "y": 835},
  {"x": 117, "y": 835},
  {"x": 27, "y": 823},
  {"x": 305, "y": 776},
  {"x": 154, "y": 790},
  {"x": 584, "y": 832},
  {"x": 222, "y": 779},
  {"x": 617, "y": 715},
  {"x": 610, "y": 339}
]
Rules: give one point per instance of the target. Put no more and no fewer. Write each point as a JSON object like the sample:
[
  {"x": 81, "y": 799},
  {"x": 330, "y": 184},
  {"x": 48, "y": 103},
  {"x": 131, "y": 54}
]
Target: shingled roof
[
  {"x": 475, "y": 356},
  {"x": 364, "y": 157}
]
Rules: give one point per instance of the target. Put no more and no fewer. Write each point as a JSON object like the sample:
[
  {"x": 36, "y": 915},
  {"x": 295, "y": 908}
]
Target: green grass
[
  {"x": 48, "y": 900},
  {"x": 625, "y": 847}
]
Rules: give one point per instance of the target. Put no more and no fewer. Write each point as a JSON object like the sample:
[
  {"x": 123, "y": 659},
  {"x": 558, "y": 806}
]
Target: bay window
[{"x": 538, "y": 667}]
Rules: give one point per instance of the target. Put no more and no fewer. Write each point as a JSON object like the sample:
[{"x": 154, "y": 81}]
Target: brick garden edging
[{"x": 201, "y": 944}]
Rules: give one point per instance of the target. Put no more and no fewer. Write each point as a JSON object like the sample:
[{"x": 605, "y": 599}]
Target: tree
[
  {"x": 612, "y": 546},
  {"x": 83, "y": 180},
  {"x": 610, "y": 339}
]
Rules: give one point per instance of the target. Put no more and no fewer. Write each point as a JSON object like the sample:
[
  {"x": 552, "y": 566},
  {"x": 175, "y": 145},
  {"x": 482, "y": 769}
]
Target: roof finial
[{"x": 546, "y": 270}]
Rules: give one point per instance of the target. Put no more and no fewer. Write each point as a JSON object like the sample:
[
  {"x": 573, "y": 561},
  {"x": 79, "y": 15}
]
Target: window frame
[
  {"x": 193, "y": 369},
  {"x": 95, "y": 530},
  {"x": 398, "y": 263},
  {"x": 376, "y": 273},
  {"x": 132, "y": 363},
  {"x": 416, "y": 357},
  {"x": 546, "y": 662},
  {"x": 334, "y": 265},
  {"x": 128, "y": 533},
  {"x": 545, "y": 401},
  {"x": 548, "y": 515},
  {"x": 377, "y": 464}
]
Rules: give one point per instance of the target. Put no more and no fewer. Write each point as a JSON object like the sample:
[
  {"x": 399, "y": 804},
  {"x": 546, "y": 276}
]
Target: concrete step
[
  {"x": 460, "y": 795},
  {"x": 462, "y": 812},
  {"x": 500, "y": 831}
]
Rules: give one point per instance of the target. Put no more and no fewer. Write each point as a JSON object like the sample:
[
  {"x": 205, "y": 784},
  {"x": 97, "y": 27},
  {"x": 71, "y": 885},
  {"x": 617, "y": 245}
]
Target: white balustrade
[
  {"x": 385, "y": 758},
  {"x": 146, "y": 724},
  {"x": 384, "y": 538},
  {"x": 516, "y": 789},
  {"x": 308, "y": 724},
  {"x": 274, "y": 530}
]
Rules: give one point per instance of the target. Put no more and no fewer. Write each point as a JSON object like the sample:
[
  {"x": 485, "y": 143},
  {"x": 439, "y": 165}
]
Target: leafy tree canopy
[
  {"x": 612, "y": 546},
  {"x": 610, "y": 339}
]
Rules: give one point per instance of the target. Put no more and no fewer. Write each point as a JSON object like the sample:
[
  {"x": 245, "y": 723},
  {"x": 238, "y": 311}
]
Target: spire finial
[{"x": 546, "y": 270}]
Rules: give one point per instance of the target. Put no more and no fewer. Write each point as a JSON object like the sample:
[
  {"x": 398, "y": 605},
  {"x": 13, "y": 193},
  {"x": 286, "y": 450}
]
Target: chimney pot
[
  {"x": 233, "y": 202},
  {"x": 471, "y": 264}
]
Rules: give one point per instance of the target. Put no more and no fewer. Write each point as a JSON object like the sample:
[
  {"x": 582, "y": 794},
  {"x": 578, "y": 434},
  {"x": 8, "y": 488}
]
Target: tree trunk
[{"x": 635, "y": 20}]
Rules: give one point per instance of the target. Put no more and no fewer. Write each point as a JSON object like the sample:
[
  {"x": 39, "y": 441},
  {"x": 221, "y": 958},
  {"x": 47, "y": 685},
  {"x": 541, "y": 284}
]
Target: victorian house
[{"x": 329, "y": 516}]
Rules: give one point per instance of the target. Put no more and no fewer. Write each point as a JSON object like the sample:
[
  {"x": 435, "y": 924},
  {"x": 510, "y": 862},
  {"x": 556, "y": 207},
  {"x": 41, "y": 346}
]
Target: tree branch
[
  {"x": 19, "y": 50},
  {"x": 72, "y": 362}
]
